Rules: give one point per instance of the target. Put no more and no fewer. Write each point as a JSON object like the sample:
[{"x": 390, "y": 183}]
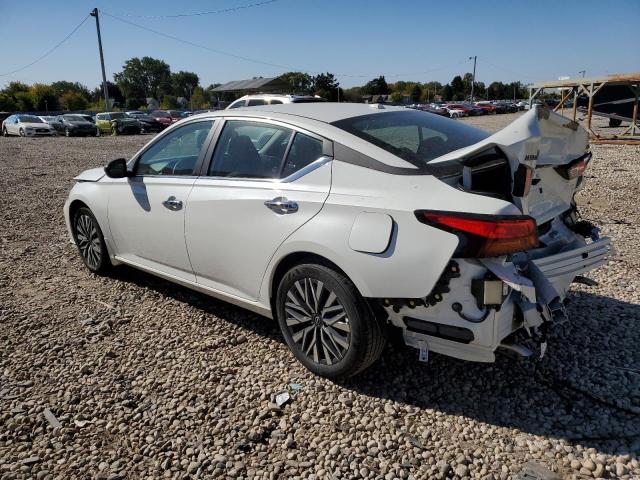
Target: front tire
[
  {"x": 326, "y": 323},
  {"x": 67, "y": 132},
  {"x": 4, "y": 132},
  {"x": 90, "y": 241},
  {"x": 21, "y": 132}
]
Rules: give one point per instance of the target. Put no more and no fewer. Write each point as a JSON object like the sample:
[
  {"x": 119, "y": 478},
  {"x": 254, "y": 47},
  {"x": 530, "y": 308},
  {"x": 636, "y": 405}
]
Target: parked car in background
[
  {"x": 26, "y": 126},
  {"x": 88, "y": 118},
  {"x": 453, "y": 112},
  {"x": 147, "y": 122},
  {"x": 74, "y": 125},
  {"x": 162, "y": 117},
  {"x": 116, "y": 123},
  {"x": 273, "y": 99},
  {"x": 488, "y": 107},
  {"x": 47, "y": 118},
  {"x": 522, "y": 104}
]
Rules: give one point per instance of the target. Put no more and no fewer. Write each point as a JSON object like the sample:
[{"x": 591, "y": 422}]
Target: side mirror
[{"x": 117, "y": 168}]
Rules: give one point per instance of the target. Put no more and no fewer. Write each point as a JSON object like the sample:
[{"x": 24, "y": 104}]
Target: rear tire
[
  {"x": 326, "y": 323},
  {"x": 90, "y": 241},
  {"x": 614, "y": 122},
  {"x": 4, "y": 132},
  {"x": 67, "y": 132}
]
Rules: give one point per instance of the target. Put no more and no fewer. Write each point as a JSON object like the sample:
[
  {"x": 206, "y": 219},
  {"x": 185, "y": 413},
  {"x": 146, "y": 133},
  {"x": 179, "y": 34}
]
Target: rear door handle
[
  {"x": 281, "y": 205},
  {"x": 172, "y": 203}
]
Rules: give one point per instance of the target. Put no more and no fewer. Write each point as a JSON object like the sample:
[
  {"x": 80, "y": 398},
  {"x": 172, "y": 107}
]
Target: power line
[
  {"x": 197, "y": 14},
  {"x": 193, "y": 44},
  {"x": 262, "y": 62},
  {"x": 50, "y": 51}
]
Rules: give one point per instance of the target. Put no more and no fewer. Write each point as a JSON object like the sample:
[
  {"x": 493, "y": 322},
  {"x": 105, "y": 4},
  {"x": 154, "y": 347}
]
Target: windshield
[
  {"x": 118, "y": 115},
  {"x": 29, "y": 119},
  {"x": 415, "y": 136},
  {"x": 74, "y": 118}
]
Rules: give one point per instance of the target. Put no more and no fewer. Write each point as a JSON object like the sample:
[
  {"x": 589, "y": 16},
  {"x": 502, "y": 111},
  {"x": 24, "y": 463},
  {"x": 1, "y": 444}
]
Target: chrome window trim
[{"x": 307, "y": 169}]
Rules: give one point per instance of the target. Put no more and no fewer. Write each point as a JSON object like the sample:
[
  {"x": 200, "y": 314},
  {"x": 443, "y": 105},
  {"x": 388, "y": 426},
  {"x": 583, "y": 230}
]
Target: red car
[
  {"x": 166, "y": 117},
  {"x": 487, "y": 107}
]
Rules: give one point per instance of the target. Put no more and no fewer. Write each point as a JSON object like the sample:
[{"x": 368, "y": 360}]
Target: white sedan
[
  {"x": 346, "y": 221},
  {"x": 26, "y": 126}
]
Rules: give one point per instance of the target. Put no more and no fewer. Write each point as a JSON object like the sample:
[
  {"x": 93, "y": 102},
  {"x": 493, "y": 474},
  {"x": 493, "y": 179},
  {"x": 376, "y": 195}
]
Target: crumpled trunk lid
[{"x": 539, "y": 140}]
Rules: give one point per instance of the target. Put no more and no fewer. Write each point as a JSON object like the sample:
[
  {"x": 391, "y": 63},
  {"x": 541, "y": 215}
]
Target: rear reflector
[
  {"x": 484, "y": 235},
  {"x": 576, "y": 168}
]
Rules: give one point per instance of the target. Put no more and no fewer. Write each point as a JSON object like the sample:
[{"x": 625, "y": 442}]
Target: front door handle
[
  {"x": 281, "y": 205},
  {"x": 172, "y": 203}
]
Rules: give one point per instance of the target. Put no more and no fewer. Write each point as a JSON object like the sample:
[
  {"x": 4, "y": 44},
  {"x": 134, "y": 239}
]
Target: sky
[{"x": 355, "y": 39}]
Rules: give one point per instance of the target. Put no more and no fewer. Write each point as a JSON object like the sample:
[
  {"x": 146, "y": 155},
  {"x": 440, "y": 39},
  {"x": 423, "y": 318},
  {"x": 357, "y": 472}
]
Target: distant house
[
  {"x": 376, "y": 98},
  {"x": 254, "y": 85}
]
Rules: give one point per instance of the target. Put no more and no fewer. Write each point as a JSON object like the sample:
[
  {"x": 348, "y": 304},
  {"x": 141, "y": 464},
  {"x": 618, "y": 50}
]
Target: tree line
[{"x": 147, "y": 77}]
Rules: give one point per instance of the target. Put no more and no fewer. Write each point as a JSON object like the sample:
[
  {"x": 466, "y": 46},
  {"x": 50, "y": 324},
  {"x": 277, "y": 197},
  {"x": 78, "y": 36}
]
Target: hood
[{"x": 92, "y": 175}]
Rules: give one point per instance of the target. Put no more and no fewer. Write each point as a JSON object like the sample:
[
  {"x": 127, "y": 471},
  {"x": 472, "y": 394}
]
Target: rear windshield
[{"x": 415, "y": 136}]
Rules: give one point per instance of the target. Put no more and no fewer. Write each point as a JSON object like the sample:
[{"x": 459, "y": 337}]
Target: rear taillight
[
  {"x": 484, "y": 235},
  {"x": 576, "y": 168}
]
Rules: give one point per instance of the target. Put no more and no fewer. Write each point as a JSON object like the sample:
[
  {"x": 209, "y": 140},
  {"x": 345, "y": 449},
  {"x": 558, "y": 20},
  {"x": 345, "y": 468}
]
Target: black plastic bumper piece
[{"x": 446, "y": 332}]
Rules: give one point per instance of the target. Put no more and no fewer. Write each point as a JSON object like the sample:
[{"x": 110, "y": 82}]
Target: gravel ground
[{"x": 132, "y": 377}]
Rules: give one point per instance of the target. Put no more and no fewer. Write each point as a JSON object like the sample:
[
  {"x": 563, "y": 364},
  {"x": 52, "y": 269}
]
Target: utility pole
[
  {"x": 582, "y": 72},
  {"x": 473, "y": 77},
  {"x": 94, "y": 13}
]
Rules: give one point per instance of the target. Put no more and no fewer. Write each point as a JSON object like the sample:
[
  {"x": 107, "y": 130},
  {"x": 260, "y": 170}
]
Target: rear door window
[
  {"x": 256, "y": 101},
  {"x": 249, "y": 149},
  {"x": 304, "y": 151}
]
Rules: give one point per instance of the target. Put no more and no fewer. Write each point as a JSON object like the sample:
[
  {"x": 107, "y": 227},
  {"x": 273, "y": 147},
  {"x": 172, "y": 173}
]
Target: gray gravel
[{"x": 132, "y": 377}]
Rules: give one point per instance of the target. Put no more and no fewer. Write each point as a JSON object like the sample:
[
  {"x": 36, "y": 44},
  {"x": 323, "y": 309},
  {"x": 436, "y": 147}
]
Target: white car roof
[
  {"x": 326, "y": 112},
  {"x": 315, "y": 117}
]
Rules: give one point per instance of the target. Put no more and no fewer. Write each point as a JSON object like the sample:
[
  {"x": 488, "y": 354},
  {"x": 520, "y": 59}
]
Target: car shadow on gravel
[{"x": 585, "y": 390}]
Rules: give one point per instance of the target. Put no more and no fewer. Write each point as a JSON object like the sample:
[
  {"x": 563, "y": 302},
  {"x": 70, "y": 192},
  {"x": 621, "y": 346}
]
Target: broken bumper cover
[{"x": 537, "y": 287}]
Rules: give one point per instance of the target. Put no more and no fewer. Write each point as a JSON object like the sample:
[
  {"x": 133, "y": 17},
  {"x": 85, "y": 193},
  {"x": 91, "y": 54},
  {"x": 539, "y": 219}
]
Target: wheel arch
[{"x": 292, "y": 259}]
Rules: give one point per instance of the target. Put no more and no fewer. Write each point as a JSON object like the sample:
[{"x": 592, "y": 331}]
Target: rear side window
[
  {"x": 304, "y": 150},
  {"x": 248, "y": 149},
  {"x": 256, "y": 101},
  {"x": 238, "y": 104},
  {"x": 275, "y": 102},
  {"x": 417, "y": 137}
]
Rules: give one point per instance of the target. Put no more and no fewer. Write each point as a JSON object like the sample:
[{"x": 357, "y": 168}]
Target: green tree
[
  {"x": 14, "y": 87},
  {"x": 377, "y": 86},
  {"x": 299, "y": 82},
  {"x": 144, "y": 77},
  {"x": 44, "y": 97},
  {"x": 97, "y": 96},
  {"x": 7, "y": 103},
  {"x": 416, "y": 93},
  {"x": 24, "y": 101},
  {"x": 457, "y": 88},
  {"x": 326, "y": 86},
  {"x": 183, "y": 83},
  {"x": 200, "y": 99},
  {"x": 63, "y": 86},
  {"x": 447, "y": 93},
  {"x": 169, "y": 101},
  {"x": 397, "y": 97},
  {"x": 73, "y": 101}
]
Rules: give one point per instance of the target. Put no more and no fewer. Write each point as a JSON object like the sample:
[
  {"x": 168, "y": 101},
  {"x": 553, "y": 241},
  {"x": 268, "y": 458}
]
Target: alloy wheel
[
  {"x": 88, "y": 240},
  {"x": 317, "y": 321}
]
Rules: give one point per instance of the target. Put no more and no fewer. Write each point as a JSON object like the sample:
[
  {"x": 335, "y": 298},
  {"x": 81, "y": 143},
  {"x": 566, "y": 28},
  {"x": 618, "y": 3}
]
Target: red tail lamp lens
[
  {"x": 485, "y": 235},
  {"x": 576, "y": 168}
]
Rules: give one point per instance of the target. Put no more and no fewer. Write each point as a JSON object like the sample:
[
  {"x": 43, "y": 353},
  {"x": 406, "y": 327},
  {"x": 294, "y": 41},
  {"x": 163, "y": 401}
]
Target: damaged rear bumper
[{"x": 534, "y": 293}]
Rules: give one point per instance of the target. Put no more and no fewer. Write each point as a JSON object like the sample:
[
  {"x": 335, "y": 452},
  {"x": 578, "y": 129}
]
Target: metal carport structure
[{"x": 589, "y": 87}]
